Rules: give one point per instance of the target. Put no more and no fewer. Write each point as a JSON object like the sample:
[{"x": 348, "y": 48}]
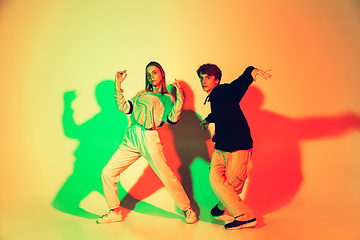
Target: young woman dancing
[{"x": 148, "y": 110}]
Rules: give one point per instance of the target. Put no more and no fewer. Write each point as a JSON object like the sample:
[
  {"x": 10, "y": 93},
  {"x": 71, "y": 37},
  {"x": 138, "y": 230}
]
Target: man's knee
[{"x": 216, "y": 176}]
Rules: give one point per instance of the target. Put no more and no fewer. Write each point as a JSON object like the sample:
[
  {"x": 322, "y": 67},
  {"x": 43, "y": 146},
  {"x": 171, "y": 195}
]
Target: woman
[{"x": 149, "y": 110}]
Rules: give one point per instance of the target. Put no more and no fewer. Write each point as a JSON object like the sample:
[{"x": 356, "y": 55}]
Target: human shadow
[
  {"x": 187, "y": 155},
  {"x": 275, "y": 176},
  {"x": 98, "y": 139},
  {"x": 194, "y": 153}
]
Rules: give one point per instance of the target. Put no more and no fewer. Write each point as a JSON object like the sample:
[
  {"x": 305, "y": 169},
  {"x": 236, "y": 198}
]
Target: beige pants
[
  {"x": 141, "y": 142},
  {"x": 228, "y": 172}
]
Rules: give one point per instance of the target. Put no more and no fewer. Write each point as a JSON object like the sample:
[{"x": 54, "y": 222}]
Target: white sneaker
[
  {"x": 109, "y": 217},
  {"x": 190, "y": 216}
]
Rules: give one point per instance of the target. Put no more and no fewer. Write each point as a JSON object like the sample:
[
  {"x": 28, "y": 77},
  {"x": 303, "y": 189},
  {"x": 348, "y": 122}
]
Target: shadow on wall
[
  {"x": 194, "y": 148},
  {"x": 276, "y": 175},
  {"x": 98, "y": 138},
  {"x": 273, "y": 181}
]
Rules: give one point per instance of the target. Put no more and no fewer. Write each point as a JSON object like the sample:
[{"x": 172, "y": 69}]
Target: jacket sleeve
[
  {"x": 123, "y": 105},
  {"x": 209, "y": 118},
  {"x": 241, "y": 84},
  {"x": 174, "y": 115}
]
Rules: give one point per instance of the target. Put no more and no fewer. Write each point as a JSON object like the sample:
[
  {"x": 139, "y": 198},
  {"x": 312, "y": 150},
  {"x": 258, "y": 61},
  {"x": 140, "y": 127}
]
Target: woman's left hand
[
  {"x": 176, "y": 84},
  {"x": 179, "y": 93}
]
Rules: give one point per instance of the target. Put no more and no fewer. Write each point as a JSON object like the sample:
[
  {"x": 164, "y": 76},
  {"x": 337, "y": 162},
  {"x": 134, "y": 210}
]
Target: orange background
[{"x": 304, "y": 120}]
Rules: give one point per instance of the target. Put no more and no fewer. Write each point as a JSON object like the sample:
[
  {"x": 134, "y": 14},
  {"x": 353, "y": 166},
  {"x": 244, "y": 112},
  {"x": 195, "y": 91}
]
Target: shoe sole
[
  {"x": 246, "y": 225},
  {"x": 109, "y": 222},
  {"x": 218, "y": 215},
  {"x": 191, "y": 222}
]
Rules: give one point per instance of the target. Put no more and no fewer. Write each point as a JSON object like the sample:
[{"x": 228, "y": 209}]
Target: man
[{"x": 233, "y": 142}]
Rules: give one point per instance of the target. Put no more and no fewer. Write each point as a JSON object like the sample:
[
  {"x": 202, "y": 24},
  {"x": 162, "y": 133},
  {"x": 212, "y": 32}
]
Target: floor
[{"x": 295, "y": 221}]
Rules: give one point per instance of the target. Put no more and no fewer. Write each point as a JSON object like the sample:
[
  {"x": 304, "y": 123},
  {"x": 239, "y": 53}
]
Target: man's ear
[{"x": 217, "y": 81}]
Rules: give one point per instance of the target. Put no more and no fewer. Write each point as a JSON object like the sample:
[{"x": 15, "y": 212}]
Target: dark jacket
[{"x": 232, "y": 131}]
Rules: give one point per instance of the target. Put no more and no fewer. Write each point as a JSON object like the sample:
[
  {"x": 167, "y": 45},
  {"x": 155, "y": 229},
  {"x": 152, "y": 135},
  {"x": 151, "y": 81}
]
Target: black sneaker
[
  {"x": 240, "y": 224},
  {"x": 215, "y": 211}
]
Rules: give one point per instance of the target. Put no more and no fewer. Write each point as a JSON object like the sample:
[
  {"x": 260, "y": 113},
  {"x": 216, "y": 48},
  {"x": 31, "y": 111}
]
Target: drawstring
[{"x": 207, "y": 99}]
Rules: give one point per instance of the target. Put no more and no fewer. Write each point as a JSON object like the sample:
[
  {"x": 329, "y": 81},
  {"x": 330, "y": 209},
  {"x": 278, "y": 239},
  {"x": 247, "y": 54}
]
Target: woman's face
[{"x": 153, "y": 75}]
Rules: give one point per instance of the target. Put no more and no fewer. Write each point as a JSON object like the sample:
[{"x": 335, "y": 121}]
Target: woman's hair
[
  {"x": 149, "y": 86},
  {"x": 210, "y": 70}
]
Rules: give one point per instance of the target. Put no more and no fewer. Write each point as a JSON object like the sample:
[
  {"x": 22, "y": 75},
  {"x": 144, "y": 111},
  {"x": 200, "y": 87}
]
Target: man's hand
[
  {"x": 261, "y": 72},
  {"x": 204, "y": 125}
]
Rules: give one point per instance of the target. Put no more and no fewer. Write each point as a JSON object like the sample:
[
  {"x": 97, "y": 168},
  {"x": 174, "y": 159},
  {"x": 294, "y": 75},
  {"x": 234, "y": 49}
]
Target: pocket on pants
[{"x": 237, "y": 169}]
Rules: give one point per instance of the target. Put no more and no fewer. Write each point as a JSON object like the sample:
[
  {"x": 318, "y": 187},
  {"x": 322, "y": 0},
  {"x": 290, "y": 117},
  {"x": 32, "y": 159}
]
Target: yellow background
[{"x": 50, "y": 47}]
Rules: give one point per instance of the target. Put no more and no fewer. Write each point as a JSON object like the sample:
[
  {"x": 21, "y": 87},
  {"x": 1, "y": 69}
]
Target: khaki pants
[
  {"x": 228, "y": 172},
  {"x": 141, "y": 142}
]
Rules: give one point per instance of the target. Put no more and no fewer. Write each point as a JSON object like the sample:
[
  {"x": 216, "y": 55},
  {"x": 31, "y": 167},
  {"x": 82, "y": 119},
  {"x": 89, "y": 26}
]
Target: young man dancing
[{"x": 233, "y": 142}]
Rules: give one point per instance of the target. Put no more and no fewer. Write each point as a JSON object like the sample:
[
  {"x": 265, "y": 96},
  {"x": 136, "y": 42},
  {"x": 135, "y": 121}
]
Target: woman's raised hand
[
  {"x": 176, "y": 84},
  {"x": 119, "y": 78}
]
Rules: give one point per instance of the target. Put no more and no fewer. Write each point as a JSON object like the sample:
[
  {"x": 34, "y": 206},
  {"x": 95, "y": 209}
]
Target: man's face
[{"x": 208, "y": 82}]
